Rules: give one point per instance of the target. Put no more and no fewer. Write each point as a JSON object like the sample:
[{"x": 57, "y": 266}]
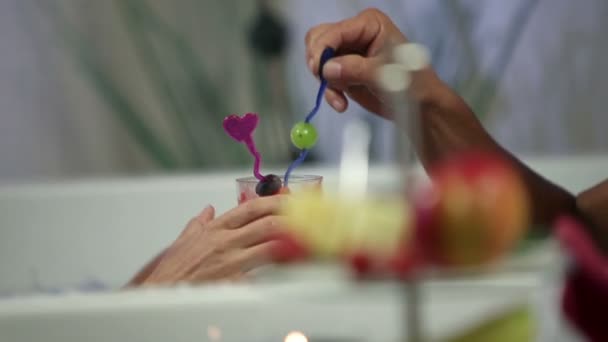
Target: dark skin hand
[{"x": 447, "y": 124}]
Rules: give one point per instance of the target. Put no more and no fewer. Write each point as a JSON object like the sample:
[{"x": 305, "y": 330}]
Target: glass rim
[{"x": 293, "y": 178}]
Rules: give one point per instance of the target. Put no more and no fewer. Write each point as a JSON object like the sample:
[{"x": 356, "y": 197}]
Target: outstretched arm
[{"x": 447, "y": 124}]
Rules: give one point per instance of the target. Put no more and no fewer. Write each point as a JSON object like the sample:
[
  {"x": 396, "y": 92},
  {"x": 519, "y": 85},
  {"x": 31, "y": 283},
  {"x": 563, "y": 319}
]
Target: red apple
[{"x": 475, "y": 211}]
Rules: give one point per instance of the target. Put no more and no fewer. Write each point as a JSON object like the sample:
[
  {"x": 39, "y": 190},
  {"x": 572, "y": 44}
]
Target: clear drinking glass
[{"x": 246, "y": 186}]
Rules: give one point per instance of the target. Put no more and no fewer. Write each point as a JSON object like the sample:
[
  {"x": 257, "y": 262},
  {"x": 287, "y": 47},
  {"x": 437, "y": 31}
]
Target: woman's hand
[
  {"x": 220, "y": 248},
  {"x": 361, "y": 44}
]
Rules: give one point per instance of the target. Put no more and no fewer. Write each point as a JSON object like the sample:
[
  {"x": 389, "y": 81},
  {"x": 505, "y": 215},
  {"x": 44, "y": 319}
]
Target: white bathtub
[{"x": 59, "y": 235}]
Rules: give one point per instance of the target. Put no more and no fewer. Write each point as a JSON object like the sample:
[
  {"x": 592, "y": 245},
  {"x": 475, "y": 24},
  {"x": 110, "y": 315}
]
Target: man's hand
[
  {"x": 220, "y": 248},
  {"x": 362, "y": 44},
  {"x": 445, "y": 123}
]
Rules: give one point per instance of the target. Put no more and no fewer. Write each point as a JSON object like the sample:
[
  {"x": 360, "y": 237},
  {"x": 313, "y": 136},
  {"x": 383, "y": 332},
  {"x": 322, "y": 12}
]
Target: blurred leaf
[
  {"x": 200, "y": 92},
  {"x": 82, "y": 52},
  {"x": 158, "y": 78}
]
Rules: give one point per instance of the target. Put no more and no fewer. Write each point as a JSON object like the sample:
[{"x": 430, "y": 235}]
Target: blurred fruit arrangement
[{"x": 473, "y": 213}]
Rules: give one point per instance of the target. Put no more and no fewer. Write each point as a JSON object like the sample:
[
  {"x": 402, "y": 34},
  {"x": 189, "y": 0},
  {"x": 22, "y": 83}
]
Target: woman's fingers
[
  {"x": 206, "y": 215},
  {"x": 256, "y": 256},
  {"x": 195, "y": 225},
  {"x": 235, "y": 264},
  {"x": 250, "y": 211},
  {"x": 256, "y": 232},
  {"x": 214, "y": 249}
]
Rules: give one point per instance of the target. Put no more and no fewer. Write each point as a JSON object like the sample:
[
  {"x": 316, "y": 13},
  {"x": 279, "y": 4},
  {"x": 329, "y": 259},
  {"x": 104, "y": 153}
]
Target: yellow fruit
[{"x": 334, "y": 226}]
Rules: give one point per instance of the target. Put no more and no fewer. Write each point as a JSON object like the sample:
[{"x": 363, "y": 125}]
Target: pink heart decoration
[{"x": 241, "y": 128}]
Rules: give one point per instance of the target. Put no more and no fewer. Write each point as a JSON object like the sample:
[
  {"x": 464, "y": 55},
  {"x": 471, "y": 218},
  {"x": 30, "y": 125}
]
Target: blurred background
[
  {"x": 95, "y": 89},
  {"x": 90, "y": 88}
]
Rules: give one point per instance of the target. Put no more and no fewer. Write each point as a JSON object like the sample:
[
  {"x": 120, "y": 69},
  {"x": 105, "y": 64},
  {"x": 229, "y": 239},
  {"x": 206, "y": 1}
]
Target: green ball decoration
[{"x": 304, "y": 135}]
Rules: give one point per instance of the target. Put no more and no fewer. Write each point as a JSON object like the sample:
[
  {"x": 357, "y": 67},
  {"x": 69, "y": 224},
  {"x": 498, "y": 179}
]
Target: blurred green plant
[{"x": 192, "y": 102}]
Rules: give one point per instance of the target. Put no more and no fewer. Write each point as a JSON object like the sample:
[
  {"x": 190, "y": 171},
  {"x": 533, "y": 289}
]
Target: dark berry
[{"x": 269, "y": 186}]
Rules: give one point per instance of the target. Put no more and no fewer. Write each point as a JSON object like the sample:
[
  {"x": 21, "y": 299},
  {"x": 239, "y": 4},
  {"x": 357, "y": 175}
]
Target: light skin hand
[{"x": 223, "y": 248}]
